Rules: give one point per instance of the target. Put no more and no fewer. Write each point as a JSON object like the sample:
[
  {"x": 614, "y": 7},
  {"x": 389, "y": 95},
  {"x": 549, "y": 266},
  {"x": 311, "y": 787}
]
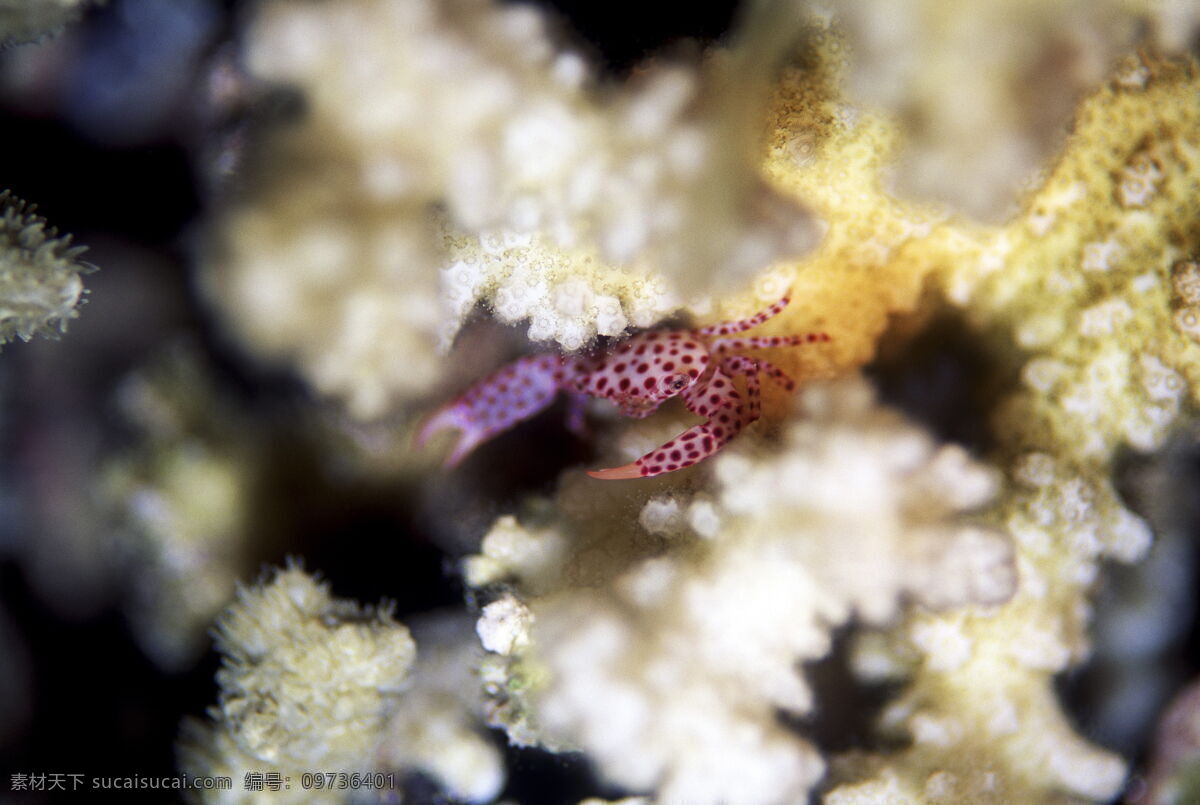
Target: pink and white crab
[{"x": 638, "y": 374}]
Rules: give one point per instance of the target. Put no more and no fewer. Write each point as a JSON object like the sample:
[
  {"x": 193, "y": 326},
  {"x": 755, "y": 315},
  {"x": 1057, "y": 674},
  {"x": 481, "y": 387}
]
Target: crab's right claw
[
  {"x": 690, "y": 447},
  {"x": 631, "y": 470}
]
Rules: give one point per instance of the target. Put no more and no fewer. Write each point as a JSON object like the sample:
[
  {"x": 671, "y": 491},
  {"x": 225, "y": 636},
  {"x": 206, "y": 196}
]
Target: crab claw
[
  {"x": 496, "y": 403},
  {"x": 451, "y": 417},
  {"x": 632, "y": 470},
  {"x": 690, "y": 447}
]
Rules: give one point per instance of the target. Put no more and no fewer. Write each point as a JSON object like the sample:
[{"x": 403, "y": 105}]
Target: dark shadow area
[
  {"x": 625, "y": 32},
  {"x": 847, "y": 709},
  {"x": 1146, "y": 631},
  {"x": 538, "y": 777},
  {"x": 100, "y": 707},
  {"x": 940, "y": 378}
]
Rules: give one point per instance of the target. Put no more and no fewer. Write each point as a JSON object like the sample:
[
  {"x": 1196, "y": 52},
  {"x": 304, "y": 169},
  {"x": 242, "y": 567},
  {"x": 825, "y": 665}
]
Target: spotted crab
[{"x": 638, "y": 374}]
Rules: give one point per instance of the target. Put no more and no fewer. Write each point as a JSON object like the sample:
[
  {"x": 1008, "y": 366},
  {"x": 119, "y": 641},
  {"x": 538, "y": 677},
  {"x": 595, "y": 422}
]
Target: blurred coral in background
[{"x": 958, "y": 565}]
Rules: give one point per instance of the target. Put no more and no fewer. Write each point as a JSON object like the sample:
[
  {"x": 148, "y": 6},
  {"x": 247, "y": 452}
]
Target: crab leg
[
  {"x": 767, "y": 341},
  {"x": 751, "y": 368},
  {"x": 497, "y": 403},
  {"x": 716, "y": 399},
  {"x": 731, "y": 327}
]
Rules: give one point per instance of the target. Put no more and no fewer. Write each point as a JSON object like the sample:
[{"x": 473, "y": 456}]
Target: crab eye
[{"x": 677, "y": 382}]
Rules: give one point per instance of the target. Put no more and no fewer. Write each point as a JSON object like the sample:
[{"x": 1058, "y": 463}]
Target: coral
[
  {"x": 659, "y": 629},
  {"x": 307, "y": 684},
  {"x": 659, "y": 626},
  {"x": 437, "y": 728},
  {"x": 985, "y": 89},
  {"x": 862, "y": 273},
  {"x": 580, "y": 210},
  {"x": 40, "y": 285},
  {"x": 1101, "y": 259},
  {"x": 567, "y": 295},
  {"x": 1085, "y": 298},
  {"x": 181, "y": 495},
  {"x": 315, "y": 271},
  {"x": 1079, "y": 289},
  {"x": 313, "y": 683},
  {"x": 28, "y": 20}
]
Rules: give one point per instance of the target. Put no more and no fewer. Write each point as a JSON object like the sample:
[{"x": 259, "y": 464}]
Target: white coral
[
  {"x": 40, "y": 285},
  {"x": 987, "y": 88},
  {"x": 307, "y": 684},
  {"x": 669, "y": 668},
  {"x": 437, "y": 726},
  {"x": 579, "y": 212}
]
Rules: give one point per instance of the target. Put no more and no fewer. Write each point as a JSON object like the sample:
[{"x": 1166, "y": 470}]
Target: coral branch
[{"x": 40, "y": 285}]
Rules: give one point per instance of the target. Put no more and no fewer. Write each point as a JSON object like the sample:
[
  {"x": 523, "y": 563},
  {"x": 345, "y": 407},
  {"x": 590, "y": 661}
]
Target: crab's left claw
[
  {"x": 497, "y": 403},
  {"x": 451, "y": 417},
  {"x": 690, "y": 447}
]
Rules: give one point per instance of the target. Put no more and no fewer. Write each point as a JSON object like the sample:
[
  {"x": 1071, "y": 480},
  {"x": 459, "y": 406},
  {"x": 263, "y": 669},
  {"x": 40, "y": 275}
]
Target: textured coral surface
[
  {"x": 40, "y": 285},
  {"x": 634, "y": 611},
  {"x": 306, "y": 682}
]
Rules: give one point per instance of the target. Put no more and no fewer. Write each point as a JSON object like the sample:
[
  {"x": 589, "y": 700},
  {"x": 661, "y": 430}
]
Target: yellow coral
[
  {"x": 1086, "y": 279},
  {"x": 1081, "y": 284},
  {"x": 833, "y": 156}
]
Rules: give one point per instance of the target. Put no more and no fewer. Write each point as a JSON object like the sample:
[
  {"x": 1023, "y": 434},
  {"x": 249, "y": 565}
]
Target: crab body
[{"x": 638, "y": 375}]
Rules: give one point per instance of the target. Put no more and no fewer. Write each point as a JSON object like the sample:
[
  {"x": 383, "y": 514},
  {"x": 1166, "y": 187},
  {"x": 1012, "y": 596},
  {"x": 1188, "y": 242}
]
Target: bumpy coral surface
[
  {"x": 311, "y": 683},
  {"x": 438, "y": 727},
  {"x": 1085, "y": 286},
  {"x": 307, "y": 684},
  {"x": 316, "y": 271},
  {"x": 834, "y": 157},
  {"x": 1088, "y": 291},
  {"x": 659, "y": 629},
  {"x": 40, "y": 285},
  {"x": 986, "y": 89}
]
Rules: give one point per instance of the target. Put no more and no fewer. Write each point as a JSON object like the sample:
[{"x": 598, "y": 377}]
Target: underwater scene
[{"x": 568, "y": 403}]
